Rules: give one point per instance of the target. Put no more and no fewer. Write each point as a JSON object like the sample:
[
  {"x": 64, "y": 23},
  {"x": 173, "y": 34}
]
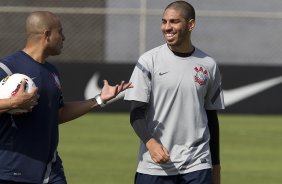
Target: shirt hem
[{"x": 177, "y": 172}]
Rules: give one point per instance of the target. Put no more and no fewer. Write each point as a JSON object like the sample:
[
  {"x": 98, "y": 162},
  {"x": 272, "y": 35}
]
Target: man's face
[
  {"x": 56, "y": 39},
  {"x": 176, "y": 29}
]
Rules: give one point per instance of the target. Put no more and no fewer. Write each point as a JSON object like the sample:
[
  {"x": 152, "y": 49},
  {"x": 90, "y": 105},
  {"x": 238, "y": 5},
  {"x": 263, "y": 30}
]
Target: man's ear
[
  {"x": 191, "y": 24},
  {"x": 47, "y": 34}
]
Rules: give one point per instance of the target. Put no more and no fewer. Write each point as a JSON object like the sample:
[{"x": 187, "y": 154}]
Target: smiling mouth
[{"x": 169, "y": 36}]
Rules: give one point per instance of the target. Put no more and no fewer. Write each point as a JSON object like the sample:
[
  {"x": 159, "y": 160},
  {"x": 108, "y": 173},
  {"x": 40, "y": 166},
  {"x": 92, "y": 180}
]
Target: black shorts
[
  {"x": 196, "y": 177},
  {"x": 10, "y": 182},
  {"x": 57, "y": 175},
  {"x": 13, "y": 182}
]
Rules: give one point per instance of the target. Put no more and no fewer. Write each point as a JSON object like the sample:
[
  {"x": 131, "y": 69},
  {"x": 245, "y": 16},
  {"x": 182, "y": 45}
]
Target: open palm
[{"x": 109, "y": 92}]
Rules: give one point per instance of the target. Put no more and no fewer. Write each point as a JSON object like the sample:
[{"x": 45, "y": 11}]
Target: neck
[
  {"x": 185, "y": 47},
  {"x": 182, "y": 49},
  {"x": 35, "y": 54},
  {"x": 184, "y": 54}
]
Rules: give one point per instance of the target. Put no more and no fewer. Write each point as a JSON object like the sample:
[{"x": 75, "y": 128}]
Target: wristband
[{"x": 99, "y": 100}]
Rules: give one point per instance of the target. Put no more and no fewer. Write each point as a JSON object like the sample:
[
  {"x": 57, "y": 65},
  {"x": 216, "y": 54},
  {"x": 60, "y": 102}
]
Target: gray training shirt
[{"x": 179, "y": 91}]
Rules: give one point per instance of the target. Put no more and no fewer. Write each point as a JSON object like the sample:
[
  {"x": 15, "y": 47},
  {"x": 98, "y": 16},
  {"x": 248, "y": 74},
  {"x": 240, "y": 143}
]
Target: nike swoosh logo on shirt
[
  {"x": 162, "y": 73},
  {"x": 231, "y": 96}
]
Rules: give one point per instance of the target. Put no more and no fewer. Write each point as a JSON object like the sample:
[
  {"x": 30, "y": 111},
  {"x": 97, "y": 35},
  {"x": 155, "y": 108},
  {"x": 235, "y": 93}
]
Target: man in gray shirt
[{"x": 174, "y": 106}]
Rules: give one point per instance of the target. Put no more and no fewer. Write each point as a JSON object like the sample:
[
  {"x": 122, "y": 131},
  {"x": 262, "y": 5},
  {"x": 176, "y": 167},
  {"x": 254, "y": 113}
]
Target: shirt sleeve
[
  {"x": 3, "y": 72},
  {"x": 214, "y": 98},
  {"x": 141, "y": 79}
]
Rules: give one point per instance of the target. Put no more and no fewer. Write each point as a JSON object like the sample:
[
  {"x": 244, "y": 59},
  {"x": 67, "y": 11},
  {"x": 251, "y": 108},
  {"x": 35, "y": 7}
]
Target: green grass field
[{"x": 101, "y": 148}]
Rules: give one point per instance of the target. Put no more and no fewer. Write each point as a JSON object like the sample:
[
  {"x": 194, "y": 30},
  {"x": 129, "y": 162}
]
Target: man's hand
[
  {"x": 109, "y": 92},
  {"x": 158, "y": 152},
  {"x": 24, "y": 100}
]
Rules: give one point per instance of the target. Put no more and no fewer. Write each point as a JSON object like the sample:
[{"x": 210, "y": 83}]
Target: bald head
[{"x": 38, "y": 22}]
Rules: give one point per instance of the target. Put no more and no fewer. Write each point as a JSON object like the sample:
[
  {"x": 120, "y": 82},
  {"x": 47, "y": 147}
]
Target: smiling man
[{"x": 175, "y": 99}]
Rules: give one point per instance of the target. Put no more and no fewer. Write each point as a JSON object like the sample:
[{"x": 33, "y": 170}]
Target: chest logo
[
  {"x": 201, "y": 76},
  {"x": 162, "y": 73}
]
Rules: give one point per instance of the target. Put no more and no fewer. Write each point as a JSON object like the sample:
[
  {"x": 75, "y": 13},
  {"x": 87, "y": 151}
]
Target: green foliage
[{"x": 102, "y": 148}]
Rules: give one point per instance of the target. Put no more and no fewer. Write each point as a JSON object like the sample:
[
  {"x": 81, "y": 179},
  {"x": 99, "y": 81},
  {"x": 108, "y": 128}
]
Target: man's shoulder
[
  {"x": 203, "y": 55},
  {"x": 10, "y": 58},
  {"x": 154, "y": 51},
  {"x": 8, "y": 63},
  {"x": 151, "y": 56}
]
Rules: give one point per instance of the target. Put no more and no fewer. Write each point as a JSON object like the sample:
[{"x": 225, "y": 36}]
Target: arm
[
  {"x": 158, "y": 152},
  {"x": 73, "y": 110},
  {"x": 214, "y": 144}
]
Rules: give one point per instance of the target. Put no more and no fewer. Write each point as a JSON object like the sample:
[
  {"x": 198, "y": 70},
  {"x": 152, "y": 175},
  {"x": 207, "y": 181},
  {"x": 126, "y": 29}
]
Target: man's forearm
[
  {"x": 214, "y": 136},
  {"x": 141, "y": 130},
  {"x": 137, "y": 120}
]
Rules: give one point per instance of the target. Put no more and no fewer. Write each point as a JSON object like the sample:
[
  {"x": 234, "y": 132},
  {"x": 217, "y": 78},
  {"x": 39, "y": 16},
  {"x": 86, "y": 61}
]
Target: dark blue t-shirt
[{"x": 28, "y": 141}]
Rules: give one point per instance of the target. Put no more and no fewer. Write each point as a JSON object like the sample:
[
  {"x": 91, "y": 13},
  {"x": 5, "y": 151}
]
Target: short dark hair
[{"x": 186, "y": 8}]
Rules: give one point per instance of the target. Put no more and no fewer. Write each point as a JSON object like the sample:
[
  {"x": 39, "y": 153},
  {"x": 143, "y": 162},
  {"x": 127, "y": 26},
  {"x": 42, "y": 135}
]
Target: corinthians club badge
[{"x": 201, "y": 76}]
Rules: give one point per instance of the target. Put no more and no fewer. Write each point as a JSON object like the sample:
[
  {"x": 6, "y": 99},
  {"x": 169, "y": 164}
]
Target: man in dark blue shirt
[{"x": 28, "y": 141}]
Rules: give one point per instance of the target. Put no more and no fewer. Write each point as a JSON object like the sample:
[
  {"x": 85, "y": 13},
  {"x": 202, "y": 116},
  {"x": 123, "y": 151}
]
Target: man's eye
[{"x": 174, "y": 21}]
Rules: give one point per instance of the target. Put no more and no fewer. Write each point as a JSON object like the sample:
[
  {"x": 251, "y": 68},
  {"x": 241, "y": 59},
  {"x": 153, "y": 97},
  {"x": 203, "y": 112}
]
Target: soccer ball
[{"x": 10, "y": 85}]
